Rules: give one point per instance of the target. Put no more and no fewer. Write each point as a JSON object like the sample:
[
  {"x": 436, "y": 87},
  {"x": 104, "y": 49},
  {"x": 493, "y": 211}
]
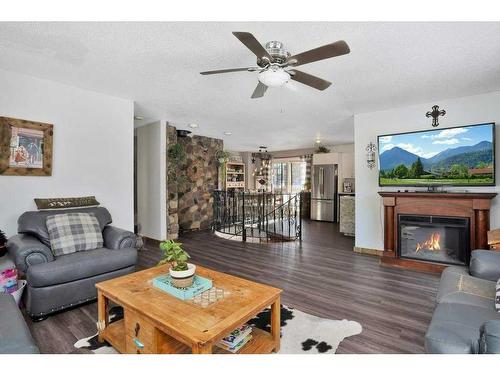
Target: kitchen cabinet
[{"x": 329, "y": 158}]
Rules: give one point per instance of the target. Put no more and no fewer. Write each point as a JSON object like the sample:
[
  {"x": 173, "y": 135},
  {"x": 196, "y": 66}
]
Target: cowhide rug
[{"x": 301, "y": 333}]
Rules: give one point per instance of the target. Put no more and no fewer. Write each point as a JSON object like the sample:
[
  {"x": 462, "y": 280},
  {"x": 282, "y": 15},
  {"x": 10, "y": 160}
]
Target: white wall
[
  {"x": 342, "y": 148},
  {"x": 93, "y": 147},
  {"x": 151, "y": 180},
  {"x": 460, "y": 111}
]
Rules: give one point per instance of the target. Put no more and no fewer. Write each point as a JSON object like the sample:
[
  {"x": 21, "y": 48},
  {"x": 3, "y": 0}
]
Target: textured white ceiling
[{"x": 157, "y": 65}]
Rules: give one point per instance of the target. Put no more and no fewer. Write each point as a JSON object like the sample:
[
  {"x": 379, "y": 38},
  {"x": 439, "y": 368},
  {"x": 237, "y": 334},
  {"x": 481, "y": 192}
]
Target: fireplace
[
  {"x": 446, "y": 226},
  {"x": 438, "y": 239}
]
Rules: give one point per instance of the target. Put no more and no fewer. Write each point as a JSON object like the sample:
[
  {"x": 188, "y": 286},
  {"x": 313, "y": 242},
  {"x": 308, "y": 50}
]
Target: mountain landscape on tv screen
[{"x": 465, "y": 165}]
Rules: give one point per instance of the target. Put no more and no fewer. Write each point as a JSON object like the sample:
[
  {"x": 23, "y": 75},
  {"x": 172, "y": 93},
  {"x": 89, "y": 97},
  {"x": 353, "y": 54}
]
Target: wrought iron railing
[{"x": 263, "y": 216}]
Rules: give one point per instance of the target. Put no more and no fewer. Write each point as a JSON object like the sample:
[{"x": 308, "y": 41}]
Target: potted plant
[
  {"x": 3, "y": 244},
  {"x": 322, "y": 150},
  {"x": 223, "y": 157},
  {"x": 307, "y": 186},
  {"x": 176, "y": 158},
  {"x": 180, "y": 270}
]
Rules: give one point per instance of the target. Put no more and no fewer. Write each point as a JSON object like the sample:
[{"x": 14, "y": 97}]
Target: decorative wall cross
[
  {"x": 370, "y": 155},
  {"x": 435, "y": 113}
]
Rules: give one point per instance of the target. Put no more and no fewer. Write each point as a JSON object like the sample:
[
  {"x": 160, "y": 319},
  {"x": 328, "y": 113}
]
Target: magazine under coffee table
[{"x": 156, "y": 322}]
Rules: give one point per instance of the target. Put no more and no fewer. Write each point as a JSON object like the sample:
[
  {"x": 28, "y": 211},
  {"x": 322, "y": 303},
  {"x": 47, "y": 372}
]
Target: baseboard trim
[
  {"x": 364, "y": 250},
  {"x": 410, "y": 264}
]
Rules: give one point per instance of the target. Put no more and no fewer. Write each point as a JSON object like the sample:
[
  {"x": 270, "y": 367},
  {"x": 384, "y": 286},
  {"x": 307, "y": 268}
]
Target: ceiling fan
[{"x": 276, "y": 66}]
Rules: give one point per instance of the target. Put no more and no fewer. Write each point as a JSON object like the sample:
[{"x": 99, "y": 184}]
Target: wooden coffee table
[{"x": 156, "y": 322}]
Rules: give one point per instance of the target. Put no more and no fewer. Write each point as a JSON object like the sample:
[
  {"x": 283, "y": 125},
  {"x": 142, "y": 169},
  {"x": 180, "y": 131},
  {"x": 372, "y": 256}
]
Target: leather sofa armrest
[
  {"x": 489, "y": 342},
  {"x": 485, "y": 264},
  {"x": 27, "y": 250},
  {"x": 116, "y": 238}
]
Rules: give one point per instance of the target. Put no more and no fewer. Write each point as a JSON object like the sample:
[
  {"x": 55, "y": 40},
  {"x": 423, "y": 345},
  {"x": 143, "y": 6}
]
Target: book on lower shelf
[{"x": 236, "y": 339}]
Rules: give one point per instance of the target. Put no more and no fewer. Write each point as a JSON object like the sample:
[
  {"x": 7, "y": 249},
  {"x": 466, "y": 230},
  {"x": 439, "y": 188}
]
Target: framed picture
[{"x": 25, "y": 147}]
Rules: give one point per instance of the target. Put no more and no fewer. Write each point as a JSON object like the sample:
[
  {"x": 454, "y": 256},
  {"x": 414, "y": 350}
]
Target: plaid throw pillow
[
  {"x": 73, "y": 232},
  {"x": 497, "y": 297}
]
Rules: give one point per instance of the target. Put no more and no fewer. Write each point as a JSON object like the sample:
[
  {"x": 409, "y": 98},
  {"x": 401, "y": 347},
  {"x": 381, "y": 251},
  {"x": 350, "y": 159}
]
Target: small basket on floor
[{"x": 21, "y": 284}]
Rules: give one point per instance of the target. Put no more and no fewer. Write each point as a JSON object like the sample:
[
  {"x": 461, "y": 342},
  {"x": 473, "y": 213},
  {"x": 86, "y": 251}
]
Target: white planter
[
  {"x": 183, "y": 274},
  {"x": 183, "y": 279},
  {"x": 19, "y": 292}
]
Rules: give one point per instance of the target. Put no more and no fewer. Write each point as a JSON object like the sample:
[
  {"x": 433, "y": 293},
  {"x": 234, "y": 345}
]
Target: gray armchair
[
  {"x": 465, "y": 320},
  {"x": 57, "y": 283}
]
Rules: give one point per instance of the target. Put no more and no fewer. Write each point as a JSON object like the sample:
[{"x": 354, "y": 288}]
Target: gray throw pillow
[{"x": 74, "y": 232}]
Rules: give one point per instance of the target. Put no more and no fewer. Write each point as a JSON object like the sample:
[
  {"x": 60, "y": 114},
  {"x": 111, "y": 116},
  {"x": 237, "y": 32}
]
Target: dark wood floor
[{"x": 321, "y": 276}]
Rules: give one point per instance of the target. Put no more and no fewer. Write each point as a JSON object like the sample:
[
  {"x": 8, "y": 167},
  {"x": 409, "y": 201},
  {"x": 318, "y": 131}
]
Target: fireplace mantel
[
  {"x": 437, "y": 195},
  {"x": 475, "y": 206}
]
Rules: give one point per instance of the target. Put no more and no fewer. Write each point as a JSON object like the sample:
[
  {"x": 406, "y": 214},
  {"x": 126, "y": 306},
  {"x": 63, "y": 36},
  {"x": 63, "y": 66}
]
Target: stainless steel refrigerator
[{"x": 324, "y": 192}]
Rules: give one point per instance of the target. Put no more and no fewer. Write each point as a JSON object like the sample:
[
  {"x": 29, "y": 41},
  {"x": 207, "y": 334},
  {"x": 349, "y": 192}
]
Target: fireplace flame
[{"x": 432, "y": 243}]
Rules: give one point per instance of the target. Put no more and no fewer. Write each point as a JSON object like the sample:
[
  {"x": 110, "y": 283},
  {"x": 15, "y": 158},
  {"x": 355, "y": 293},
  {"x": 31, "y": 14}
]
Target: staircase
[{"x": 257, "y": 217}]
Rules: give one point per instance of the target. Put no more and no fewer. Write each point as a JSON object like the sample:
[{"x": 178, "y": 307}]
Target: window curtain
[
  {"x": 308, "y": 159},
  {"x": 266, "y": 173}
]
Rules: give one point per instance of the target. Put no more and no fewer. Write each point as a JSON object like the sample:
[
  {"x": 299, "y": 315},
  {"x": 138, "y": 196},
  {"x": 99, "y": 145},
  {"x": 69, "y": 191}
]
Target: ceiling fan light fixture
[
  {"x": 274, "y": 77},
  {"x": 273, "y": 60}
]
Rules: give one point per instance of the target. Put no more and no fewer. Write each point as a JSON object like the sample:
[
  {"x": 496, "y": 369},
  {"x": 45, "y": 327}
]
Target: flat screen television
[{"x": 459, "y": 156}]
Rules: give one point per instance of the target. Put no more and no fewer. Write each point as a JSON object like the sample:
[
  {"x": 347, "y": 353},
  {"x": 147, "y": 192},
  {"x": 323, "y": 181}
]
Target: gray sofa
[
  {"x": 465, "y": 320},
  {"x": 56, "y": 283},
  {"x": 15, "y": 337}
]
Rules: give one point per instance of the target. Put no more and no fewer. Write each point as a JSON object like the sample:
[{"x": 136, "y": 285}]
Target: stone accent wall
[
  {"x": 172, "y": 192},
  {"x": 190, "y": 198}
]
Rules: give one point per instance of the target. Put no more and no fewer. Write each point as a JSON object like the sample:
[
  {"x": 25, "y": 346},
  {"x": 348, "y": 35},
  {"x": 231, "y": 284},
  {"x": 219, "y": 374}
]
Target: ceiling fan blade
[
  {"x": 259, "y": 91},
  {"x": 229, "y": 70},
  {"x": 325, "y": 52},
  {"x": 309, "y": 80},
  {"x": 252, "y": 44}
]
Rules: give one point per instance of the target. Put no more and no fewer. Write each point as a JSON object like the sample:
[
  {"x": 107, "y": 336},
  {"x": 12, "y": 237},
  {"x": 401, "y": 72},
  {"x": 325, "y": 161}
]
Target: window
[
  {"x": 288, "y": 176},
  {"x": 297, "y": 176},
  {"x": 280, "y": 177}
]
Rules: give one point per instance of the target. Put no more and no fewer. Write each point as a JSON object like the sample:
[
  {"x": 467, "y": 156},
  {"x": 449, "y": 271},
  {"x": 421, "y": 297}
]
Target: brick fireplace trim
[{"x": 475, "y": 206}]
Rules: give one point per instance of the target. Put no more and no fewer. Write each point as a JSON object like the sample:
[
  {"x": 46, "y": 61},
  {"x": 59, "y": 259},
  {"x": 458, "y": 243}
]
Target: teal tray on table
[{"x": 200, "y": 284}]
